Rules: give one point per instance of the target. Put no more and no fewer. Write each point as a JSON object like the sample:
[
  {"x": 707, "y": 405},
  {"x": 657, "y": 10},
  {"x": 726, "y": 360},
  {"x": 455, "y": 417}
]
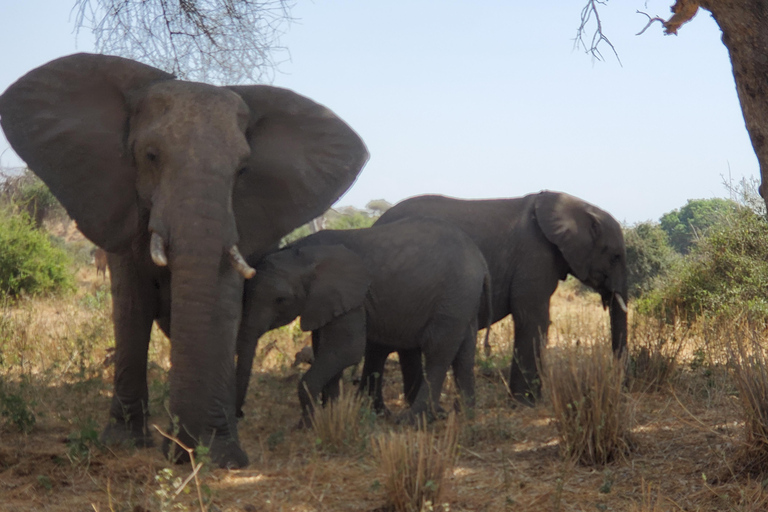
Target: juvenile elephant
[
  {"x": 415, "y": 285},
  {"x": 175, "y": 180},
  {"x": 530, "y": 243}
]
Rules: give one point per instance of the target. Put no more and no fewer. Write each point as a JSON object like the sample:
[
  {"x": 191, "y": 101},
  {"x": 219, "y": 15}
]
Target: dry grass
[
  {"x": 344, "y": 425},
  {"x": 54, "y": 357},
  {"x": 654, "y": 353},
  {"x": 584, "y": 386},
  {"x": 749, "y": 360},
  {"x": 415, "y": 463}
]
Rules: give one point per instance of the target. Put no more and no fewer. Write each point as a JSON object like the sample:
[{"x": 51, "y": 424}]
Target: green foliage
[
  {"x": 29, "y": 263},
  {"x": 353, "y": 220},
  {"x": 14, "y": 410},
  {"x": 649, "y": 256},
  {"x": 725, "y": 273},
  {"x": 692, "y": 221},
  {"x": 347, "y": 217},
  {"x": 27, "y": 192}
]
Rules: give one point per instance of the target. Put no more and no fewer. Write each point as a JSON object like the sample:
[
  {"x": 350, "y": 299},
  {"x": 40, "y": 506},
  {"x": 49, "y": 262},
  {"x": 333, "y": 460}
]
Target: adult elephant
[
  {"x": 171, "y": 177},
  {"x": 530, "y": 243}
]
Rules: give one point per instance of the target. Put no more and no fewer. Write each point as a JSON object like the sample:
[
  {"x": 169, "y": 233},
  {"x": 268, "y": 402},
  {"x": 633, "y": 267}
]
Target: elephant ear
[
  {"x": 68, "y": 119},
  {"x": 339, "y": 284},
  {"x": 572, "y": 225},
  {"x": 303, "y": 158}
]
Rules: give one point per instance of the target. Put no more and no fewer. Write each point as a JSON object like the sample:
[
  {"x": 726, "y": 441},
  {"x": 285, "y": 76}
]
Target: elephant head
[
  {"x": 592, "y": 244},
  {"x": 188, "y": 172},
  {"x": 317, "y": 283}
]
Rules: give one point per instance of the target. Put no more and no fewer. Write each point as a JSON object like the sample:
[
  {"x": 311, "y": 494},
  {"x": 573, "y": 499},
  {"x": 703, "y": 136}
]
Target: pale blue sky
[{"x": 489, "y": 99}]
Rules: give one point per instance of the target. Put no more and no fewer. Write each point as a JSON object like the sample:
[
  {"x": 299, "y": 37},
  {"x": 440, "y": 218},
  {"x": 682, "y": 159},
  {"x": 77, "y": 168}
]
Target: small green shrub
[
  {"x": 649, "y": 257},
  {"x": 26, "y": 192},
  {"x": 29, "y": 263},
  {"x": 14, "y": 410},
  {"x": 724, "y": 275}
]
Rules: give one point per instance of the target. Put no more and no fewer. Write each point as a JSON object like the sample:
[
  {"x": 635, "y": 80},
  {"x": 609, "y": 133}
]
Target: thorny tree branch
[
  {"x": 587, "y": 13},
  {"x": 222, "y": 41}
]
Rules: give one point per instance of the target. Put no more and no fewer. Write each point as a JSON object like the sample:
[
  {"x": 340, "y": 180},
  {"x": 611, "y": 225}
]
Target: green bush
[
  {"x": 649, "y": 257},
  {"x": 26, "y": 192},
  {"x": 725, "y": 273},
  {"x": 686, "y": 225},
  {"x": 29, "y": 263}
]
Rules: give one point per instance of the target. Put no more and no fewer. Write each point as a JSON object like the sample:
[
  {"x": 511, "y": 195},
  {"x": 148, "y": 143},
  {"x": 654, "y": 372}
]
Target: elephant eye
[{"x": 151, "y": 154}]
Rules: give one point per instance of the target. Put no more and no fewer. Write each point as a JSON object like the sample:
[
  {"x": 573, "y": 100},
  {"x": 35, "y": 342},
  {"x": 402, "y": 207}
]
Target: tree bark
[{"x": 744, "y": 24}]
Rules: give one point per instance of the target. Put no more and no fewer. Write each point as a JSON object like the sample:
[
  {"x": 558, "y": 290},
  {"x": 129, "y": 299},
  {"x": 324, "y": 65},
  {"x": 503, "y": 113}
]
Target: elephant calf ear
[
  {"x": 303, "y": 157},
  {"x": 569, "y": 223},
  {"x": 68, "y": 119},
  {"x": 340, "y": 283}
]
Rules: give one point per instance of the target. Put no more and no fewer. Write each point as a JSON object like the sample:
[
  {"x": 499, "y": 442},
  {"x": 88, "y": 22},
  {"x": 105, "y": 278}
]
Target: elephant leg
[
  {"x": 413, "y": 373},
  {"x": 248, "y": 336},
  {"x": 442, "y": 340},
  {"x": 331, "y": 390},
  {"x": 373, "y": 374},
  {"x": 338, "y": 344},
  {"x": 464, "y": 367},
  {"x": 246, "y": 348},
  {"x": 531, "y": 317},
  {"x": 134, "y": 303}
]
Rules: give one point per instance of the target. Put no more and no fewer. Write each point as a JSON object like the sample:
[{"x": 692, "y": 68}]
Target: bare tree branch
[
  {"x": 220, "y": 41},
  {"x": 650, "y": 21},
  {"x": 588, "y": 13}
]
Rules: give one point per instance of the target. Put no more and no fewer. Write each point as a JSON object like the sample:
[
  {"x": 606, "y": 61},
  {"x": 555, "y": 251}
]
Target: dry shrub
[
  {"x": 749, "y": 362},
  {"x": 654, "y": 352},
  {"x": 344, "y": 424},
  {"x": 584, "y": 385},
  {"x": 416, "y": 463}
]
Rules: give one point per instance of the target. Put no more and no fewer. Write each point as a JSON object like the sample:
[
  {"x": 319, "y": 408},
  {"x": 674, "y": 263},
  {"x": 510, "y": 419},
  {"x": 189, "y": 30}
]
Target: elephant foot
[
  {"x": 416, "y": 416},
  {"x": 526, "y": 399},
  {"x": 225, "y": 453},
  {"x": 121, "y": 433}
]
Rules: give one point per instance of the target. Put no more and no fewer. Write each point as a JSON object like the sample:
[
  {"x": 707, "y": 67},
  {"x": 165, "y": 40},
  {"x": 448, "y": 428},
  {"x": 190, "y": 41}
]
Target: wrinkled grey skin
[
  {"x": 530, "y": 243},
  {"x": 415, "y": 285},
  {"x": 135, "y": 155}
]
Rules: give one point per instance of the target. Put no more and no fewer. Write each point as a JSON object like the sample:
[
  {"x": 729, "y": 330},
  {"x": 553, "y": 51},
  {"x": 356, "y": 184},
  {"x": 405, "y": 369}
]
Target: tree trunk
[{"x": 745, "y": 33}]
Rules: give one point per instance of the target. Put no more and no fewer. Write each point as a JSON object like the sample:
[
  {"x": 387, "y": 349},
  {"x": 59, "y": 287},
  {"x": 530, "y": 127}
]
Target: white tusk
[
  {"x": 622, "y": 304},
  {"x": 239, "y": 263},
  {"x": 157, "y": 250}
]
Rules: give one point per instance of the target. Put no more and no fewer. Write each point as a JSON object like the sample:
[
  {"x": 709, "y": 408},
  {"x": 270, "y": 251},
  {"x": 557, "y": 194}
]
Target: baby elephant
[{"x": 410, "y": 286}]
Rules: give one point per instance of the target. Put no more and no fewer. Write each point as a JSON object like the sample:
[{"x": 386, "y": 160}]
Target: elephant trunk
[
  {"x": 618, "y": 312},
  {"x": 206, "y": 294}
]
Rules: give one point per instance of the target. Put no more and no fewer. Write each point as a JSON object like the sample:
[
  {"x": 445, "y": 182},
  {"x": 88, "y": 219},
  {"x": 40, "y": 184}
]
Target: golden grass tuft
[
  {"x": 584, "y": 385},
  {"x": 655, "y": 349},
  {"x": 345, "y": 424},
  {"x": 415, "y": 463},
  {"x": 749, "y": 363}
]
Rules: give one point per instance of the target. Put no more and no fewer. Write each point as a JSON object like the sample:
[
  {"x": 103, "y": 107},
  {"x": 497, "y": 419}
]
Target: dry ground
[{"x": 54, "y": 357}]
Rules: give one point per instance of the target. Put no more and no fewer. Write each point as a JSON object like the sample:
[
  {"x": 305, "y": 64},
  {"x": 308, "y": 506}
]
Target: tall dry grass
[
  {"x": 749, "y": 364},
  {"x": 416, "y": 463},
  {"x": 344, "y": 425},
  {"x": 584, "y": 384}
]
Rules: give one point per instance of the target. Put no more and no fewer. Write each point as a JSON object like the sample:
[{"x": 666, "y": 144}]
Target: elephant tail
[{"x": 489, "y": 313}]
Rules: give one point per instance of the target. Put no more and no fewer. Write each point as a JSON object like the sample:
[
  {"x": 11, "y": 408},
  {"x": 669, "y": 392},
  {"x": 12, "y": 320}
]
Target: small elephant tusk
[
  {"x": 239, "y": 263},
  {"x": 157, "y": 250},
  {"x": 622, "y": 304}
]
